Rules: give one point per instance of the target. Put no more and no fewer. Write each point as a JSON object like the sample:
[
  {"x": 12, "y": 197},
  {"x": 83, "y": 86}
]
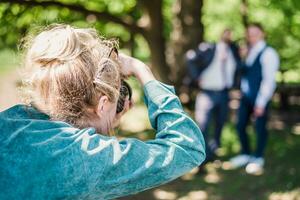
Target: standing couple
[{"x": 215, "y": 75}]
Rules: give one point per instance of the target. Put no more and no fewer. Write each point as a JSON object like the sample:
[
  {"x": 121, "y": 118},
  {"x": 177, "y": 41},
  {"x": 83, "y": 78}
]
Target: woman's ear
[{"x": 102, "y": 106}]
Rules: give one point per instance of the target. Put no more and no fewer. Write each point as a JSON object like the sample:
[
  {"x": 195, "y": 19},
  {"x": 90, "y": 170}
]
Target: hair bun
[{"x": 56, "y": 45}]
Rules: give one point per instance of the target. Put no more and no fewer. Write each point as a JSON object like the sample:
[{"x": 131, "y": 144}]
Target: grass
[{"x": 280, "y": 181}]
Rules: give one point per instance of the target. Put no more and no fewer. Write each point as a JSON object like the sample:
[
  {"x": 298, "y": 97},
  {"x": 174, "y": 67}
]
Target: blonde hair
[{"x": 70, "y": 70}]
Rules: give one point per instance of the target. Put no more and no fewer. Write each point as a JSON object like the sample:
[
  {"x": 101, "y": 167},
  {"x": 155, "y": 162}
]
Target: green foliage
[
  {"x": 281, "y": 20},
  {"x": 9, "y": 60},
  {"x": 281, "y": 179},
  {"x": 220, "y": 14},
  {"x": 17, "y": 19}
]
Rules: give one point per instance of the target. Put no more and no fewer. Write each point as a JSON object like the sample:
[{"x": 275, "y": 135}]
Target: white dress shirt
[
  {"x": 220, "y": 73},
  {"x": 270, "y": 64}
]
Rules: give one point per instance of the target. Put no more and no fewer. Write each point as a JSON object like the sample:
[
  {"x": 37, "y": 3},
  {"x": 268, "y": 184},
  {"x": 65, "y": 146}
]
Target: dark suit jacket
[{"x": 203, "y": 57}]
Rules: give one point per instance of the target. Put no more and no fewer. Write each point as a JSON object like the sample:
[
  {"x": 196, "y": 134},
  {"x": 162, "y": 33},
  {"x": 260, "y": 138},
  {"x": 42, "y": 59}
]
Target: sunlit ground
[{"x": 280, "y": 180}]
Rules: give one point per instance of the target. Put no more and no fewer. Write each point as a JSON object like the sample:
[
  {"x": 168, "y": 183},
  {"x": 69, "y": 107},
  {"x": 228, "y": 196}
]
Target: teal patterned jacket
[{"x": 45, "y": 159}]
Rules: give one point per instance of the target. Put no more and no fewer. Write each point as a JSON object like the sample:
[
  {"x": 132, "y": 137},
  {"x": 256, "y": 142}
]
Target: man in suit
[
  {"x": 257, "y": 87},
  {"x": 213, "y": 67}
]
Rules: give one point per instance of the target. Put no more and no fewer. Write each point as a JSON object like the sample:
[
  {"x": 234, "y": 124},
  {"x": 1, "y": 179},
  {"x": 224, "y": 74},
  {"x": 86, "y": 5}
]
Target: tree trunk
[
  {"x": 187, "y": 34},
  {"x": 155, "y": 38}
]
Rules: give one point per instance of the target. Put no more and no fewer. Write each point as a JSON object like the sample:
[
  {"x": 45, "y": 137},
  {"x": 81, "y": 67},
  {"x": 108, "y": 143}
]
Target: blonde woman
[{"x": 60, "y": 146}]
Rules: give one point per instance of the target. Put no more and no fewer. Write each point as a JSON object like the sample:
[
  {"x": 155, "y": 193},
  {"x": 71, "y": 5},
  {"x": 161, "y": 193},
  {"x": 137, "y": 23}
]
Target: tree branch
[{"x": 127, "y": 22}]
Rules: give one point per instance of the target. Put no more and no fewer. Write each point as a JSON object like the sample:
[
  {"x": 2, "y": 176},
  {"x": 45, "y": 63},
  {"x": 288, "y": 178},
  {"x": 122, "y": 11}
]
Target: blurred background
[{"x": 160, "y": 32}]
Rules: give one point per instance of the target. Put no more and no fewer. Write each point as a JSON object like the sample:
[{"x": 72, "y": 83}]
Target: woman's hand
[
  {"x": 132, "y": 66},
  {"x": 129, "y": 64}
]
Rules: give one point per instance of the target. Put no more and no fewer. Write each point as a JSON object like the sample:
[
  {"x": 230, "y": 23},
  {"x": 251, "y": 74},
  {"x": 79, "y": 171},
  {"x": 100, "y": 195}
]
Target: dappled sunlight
[
  {"x": 190, "y": 175},
  {"x": 277, "y": 124},
  {"x": 296, "y": 129},
  {"x": 294, "y": 100},
  {"x": 164, "y": 195},
  {"x": 195, "y": 195},
  {"x": 213, "y": 176},
  {"x": 220, "y": 152},
  {"x": 290, "y": 195},
  {"x": 226, "y": 165},
  {"x": 160, "y": 34},
  {"x": 136, "y": 119},
  {"x": 217, "y": 164}
]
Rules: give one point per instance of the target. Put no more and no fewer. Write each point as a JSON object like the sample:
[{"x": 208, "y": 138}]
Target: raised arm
[
  {"x": 177, "y": 148},
  {"x": 111, "y": 168}
]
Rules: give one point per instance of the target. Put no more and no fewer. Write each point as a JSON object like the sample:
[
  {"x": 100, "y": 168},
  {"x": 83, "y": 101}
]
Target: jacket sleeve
[
  {"x": 131, "y": 165},
  {"x": 270, "y": 64},
  {"x": 198, "y": 60}
]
